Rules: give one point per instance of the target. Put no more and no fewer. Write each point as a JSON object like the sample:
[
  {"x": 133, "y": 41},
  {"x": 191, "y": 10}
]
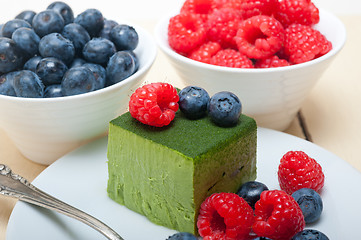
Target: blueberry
[
  {"x": 120, "y": 66},
  {"x": 55, "y": 45},
  {"x": 26, "y": 15},
  {"x": 10, "y": 26},
  {"x": 224, "y": 109},
  {"x": 51, "y": 70},
  {"x": 11, "y": 57},
  {"x": 77, "y": 62},
  {"x": 6, "y": 85},
  {"x": 251, "y": 192},
  {"x": 27, "y": 40},
  {"x": 310, "y": 234},
  {"x": 310, "y": 202},
  {"x": 28, "y": 84},
  {"x": 124, "y": 37},
  {"x": 108, "y": 26},
  {"x": 92, "y": 20},
  {"x": 53, "y": 91},
  {"x": 78, "y": 80},
  {"x": 32, "y": 63},
  {"x": 47, "y": 21},
  {"x": 99, "y": 74},
  {"x": 182, "y": 236},
  {"x": 193, "y": 102},
  {"x": 64, "y": 10},
  {"x": 135, "y": 58},
  {"x": 98, "y": 50},
  {"x": 78, "y": 35}
]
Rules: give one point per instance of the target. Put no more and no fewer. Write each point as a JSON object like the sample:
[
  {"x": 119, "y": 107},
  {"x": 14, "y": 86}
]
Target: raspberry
[
  {"x": 225, "y": 216},
  {"x": 222, "y": 27},
  {"x": 200, "y": 7},
  {"x": 271, "y": 62},
  {"x": 233, "y": 4},
  {"x": 231, "y": 58},
  {"x": 250, "y": 8},
  {"x": 297, "y": 11},
  {"x": 297, "y": 170},
  {"x": 260, "y": 36},
  {"x": 186, "y": 32},
  {"x": 277, "y": 216},
  {"x": 205, "y": 52},
  {"x": 154, "y": 104},
  {"x": 303, "y": 43}
]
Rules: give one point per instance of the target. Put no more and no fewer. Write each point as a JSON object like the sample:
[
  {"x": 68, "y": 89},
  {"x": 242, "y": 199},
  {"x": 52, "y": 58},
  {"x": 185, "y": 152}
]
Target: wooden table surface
[{"x": 330, "y": 116}]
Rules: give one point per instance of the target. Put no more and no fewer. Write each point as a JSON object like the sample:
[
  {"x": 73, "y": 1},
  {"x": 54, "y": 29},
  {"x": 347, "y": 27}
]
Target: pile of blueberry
[{"x": 54, "y": 53}]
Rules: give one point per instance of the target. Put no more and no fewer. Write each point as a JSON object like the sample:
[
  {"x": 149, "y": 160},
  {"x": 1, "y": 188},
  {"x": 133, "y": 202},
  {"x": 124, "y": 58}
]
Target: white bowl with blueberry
[
  {"x": 62, "y": 80},
  {"x": 273, "y": 95}
]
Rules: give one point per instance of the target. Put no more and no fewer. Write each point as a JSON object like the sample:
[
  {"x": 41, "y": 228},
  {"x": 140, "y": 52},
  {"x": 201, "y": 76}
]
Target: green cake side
[{"x": 166, "y": 173}]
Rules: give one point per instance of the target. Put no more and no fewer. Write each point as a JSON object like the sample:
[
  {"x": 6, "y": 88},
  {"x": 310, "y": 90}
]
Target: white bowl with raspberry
[
  {"x": 273, "y": 96},
  {"x": 44, "y": 129}
]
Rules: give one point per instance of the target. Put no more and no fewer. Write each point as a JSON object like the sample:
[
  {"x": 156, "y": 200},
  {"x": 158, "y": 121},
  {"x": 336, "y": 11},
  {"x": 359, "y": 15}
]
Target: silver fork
[{"x": 13, "y": 185}]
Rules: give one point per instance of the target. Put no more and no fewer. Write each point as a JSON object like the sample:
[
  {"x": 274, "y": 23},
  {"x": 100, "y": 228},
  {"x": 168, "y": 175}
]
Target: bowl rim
[
  {"x": 145, "y": 36},
  {"x": 159, "y": 29}
]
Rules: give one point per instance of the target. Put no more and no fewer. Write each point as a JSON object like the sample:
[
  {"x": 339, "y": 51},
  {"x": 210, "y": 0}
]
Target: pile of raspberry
[{"x": 248, "y": 33}]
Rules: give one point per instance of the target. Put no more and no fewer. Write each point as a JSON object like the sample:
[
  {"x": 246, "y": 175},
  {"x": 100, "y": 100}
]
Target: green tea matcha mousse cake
[{"x": 165, "y": 173}]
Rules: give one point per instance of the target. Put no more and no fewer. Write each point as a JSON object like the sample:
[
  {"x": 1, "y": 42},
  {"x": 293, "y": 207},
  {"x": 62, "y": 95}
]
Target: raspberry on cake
[
  {"x": 154, "y": 104},
  {"x": 166, "y": 173}
]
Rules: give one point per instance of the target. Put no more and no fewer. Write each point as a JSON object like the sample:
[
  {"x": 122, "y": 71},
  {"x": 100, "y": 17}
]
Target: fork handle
[{"x": 13, "y": 185}]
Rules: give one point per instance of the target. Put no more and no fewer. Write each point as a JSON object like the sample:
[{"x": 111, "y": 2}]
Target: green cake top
[{"x": 190, "y": 137}]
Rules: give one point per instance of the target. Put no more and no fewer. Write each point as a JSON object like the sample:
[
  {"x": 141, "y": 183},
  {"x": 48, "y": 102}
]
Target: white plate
[{"x": 80, "y": 179}]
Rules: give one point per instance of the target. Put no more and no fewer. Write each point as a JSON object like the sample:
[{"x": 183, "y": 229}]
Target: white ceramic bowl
[
  {"x": 45, "y": 129},
  {"x": 272, "y": 96}
]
